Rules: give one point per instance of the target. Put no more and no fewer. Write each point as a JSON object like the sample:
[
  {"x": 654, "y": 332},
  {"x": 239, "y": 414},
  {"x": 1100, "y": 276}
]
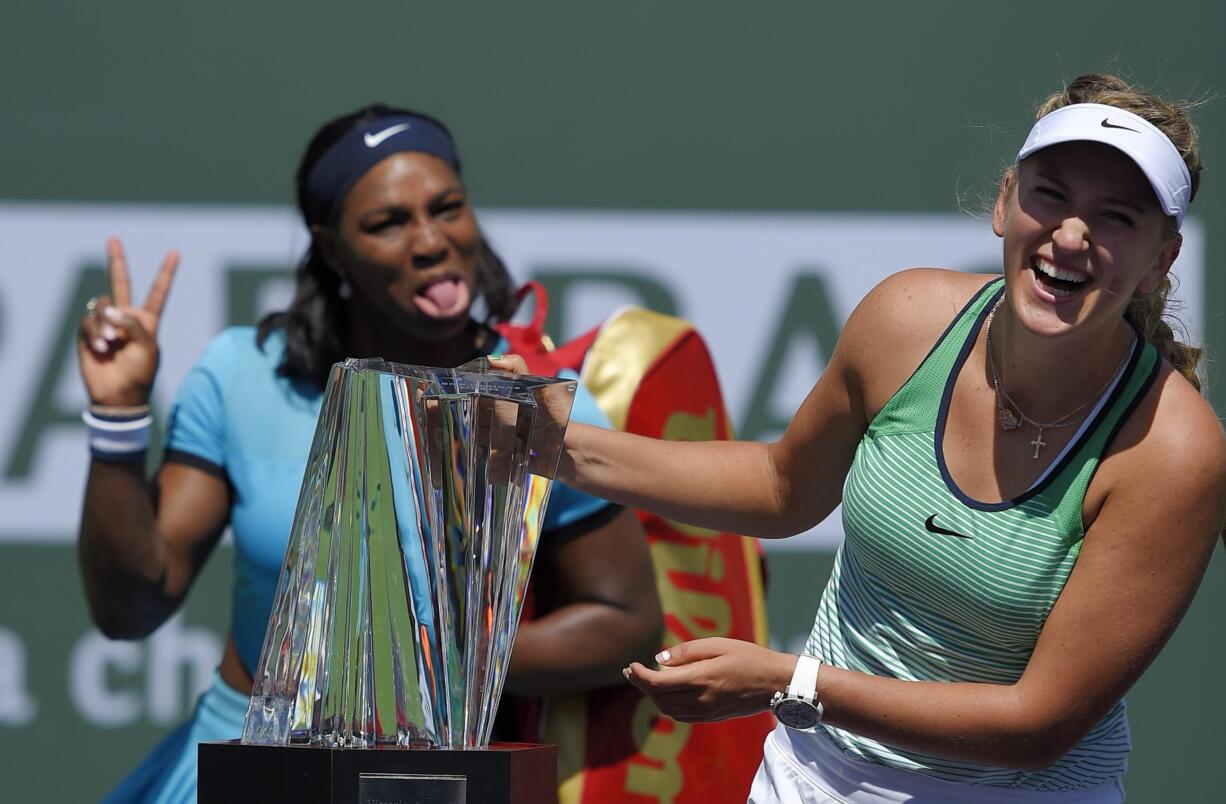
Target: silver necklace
[{"x": 1011, "y": 416}]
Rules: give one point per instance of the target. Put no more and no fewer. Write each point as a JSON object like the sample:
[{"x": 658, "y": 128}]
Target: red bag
[{"x": 652, "y": 374}]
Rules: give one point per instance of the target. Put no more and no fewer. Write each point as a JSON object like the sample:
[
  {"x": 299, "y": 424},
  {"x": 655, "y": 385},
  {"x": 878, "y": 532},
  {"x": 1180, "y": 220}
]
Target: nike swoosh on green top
[{"x": 931, "y": 526}]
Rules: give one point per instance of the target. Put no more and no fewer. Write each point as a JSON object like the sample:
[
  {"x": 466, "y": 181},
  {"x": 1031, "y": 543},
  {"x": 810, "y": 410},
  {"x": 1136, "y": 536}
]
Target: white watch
[{"x": 798, "y": 707}]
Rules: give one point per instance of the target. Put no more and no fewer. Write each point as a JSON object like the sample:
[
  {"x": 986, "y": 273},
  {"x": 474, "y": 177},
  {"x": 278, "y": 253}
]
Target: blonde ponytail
[{"x": 1148, "y": 312}]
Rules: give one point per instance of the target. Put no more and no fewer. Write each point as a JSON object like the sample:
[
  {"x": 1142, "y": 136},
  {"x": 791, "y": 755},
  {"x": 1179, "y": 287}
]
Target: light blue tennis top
[{"x": 235, "y": 417}]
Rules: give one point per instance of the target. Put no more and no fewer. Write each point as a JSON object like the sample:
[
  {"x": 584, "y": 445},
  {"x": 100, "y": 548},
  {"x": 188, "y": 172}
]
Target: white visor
[{"x": 1140, "y": 140}]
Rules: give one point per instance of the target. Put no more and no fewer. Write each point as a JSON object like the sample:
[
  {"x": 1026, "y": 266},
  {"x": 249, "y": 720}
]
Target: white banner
[{"x": 769, "y": 292}]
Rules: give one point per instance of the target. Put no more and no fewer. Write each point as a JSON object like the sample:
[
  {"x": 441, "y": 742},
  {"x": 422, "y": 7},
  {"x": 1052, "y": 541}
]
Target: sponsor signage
[{"x": 769, "y": 292}]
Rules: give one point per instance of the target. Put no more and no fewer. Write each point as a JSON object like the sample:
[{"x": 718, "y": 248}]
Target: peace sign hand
[{"x": 117, "y": 342}]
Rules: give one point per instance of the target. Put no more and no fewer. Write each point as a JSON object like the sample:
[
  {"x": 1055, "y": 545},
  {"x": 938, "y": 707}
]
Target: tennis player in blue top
[{"x": 395, "y": 263}]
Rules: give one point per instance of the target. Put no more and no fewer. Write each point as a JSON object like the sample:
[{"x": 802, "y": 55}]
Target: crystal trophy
[{"x": 412, "y": 542}]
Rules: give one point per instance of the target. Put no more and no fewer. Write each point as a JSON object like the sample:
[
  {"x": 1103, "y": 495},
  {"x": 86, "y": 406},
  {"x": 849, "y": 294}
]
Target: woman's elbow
[
  {"x": 1031, "y": 759},
  {"x": 648, "y": 634},
  {"x": 636, "y": 624},
  {"x": 115, "y": 625},
  {"x": 127, "y": 619},
  {"x": 1041, "y": 743}
]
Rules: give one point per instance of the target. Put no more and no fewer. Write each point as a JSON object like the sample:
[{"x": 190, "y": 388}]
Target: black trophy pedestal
[{"x": 504, "y": 773}]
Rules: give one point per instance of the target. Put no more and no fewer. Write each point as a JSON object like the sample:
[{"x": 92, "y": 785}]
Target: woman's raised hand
[{"x": 117, "y": 341}]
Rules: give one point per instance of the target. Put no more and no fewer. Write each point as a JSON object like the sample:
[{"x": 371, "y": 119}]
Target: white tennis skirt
[{"x": 816, "y": 772}]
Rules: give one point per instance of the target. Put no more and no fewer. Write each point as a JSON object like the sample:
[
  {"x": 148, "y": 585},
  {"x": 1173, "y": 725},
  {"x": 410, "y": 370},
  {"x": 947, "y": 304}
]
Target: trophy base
[{"x": 504, "y": 773}]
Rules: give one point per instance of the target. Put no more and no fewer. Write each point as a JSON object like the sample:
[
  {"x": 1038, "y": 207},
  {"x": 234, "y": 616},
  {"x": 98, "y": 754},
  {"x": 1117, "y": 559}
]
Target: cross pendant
[{"x": 1038, "y": 443}]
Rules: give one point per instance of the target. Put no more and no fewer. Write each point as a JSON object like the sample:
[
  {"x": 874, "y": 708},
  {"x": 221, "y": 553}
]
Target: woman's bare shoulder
[
  {"x": 1175, "y": 424},
  {"x": 906, "y": 312},
  {"x": 896, "y": 325},
  {"x": 917, "y": 295},
  {"x": 1171, "y": 452}
]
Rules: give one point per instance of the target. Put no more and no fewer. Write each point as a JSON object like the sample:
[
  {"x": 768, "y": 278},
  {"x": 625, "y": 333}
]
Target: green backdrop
[{"x": 713, "y": 105}]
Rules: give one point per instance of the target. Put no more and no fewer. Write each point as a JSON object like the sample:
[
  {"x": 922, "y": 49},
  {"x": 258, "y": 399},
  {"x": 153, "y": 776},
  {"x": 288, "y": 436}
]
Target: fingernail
[
  {"x": 108, "y": 332},
  {"x": 113, "y": 314},
  {"x": 99, "y": 345},
  {"x": 626, "y": 672},
  {"x": 663, "y": 656},
  {"x": 496, "y": 356}
]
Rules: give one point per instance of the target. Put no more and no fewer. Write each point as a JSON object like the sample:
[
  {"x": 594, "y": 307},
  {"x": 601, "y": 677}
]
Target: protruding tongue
[{"x": 443, "y": 298}]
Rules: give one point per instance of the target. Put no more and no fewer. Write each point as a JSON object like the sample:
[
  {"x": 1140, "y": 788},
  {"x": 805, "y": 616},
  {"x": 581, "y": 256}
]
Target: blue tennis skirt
[{"x": 168, "y": 774}]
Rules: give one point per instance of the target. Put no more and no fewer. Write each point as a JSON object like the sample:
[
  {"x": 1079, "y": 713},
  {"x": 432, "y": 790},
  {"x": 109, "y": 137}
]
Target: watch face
[{"x": 796, "y": 714}]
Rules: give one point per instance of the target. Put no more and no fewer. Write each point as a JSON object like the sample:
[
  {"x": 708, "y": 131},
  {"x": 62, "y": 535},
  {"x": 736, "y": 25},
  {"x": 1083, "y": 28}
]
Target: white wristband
[
  {"x": 117, "y": 438},
  {"x": 798, "y": 707},
  {"x": 804, "y": 677}
]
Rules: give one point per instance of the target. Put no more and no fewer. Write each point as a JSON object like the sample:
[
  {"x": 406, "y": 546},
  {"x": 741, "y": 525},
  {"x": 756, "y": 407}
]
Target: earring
[{"x": 345, "y": 290}]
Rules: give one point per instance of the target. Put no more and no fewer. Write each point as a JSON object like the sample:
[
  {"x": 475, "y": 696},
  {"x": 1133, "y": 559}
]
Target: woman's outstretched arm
[
  {"x": 778, "y": 489},
  {"x": 766, "y": 490}
]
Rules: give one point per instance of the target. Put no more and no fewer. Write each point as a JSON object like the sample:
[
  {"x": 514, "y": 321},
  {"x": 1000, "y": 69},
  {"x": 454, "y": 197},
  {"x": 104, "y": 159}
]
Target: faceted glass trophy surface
[{"x": 404, "y": 578}]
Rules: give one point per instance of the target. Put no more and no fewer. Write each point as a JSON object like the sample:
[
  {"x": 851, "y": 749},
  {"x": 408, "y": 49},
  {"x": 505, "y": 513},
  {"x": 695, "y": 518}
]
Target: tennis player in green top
[{"x": 1031, "y": 488}]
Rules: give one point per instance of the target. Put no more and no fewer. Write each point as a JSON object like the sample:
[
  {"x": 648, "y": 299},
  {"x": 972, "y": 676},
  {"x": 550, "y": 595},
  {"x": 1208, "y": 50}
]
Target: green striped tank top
[{"x": 906, "y": 602}]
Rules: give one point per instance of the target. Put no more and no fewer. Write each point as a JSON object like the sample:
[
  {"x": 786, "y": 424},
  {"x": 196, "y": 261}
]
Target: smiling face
[
  {"x": 407, "y": 241},
  {"x": 1082, "y": 232}
]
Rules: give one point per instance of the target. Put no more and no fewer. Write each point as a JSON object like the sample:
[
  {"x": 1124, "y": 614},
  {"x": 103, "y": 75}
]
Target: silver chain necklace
[{"x": 1011, "y": 416}]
